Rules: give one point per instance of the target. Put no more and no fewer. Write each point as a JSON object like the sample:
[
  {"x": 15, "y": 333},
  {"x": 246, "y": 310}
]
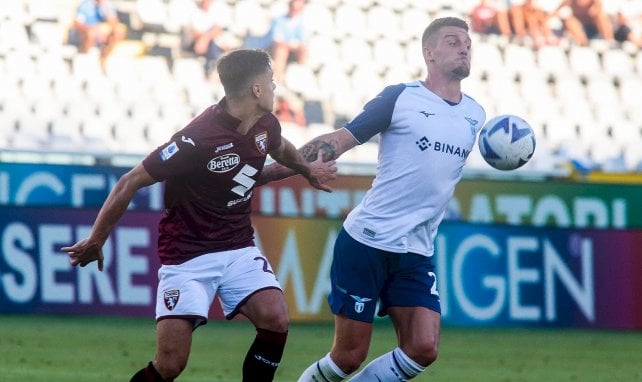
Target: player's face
[
  {"x": 451, "y": 53},
  {"x": 266, "y": 95}
]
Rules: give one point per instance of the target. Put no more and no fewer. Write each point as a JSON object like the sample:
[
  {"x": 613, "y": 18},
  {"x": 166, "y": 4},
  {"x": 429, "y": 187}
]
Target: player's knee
[
  {"x": 279, "y": 322},
  {"x": 349, "y": 361},
  {"x": 424, "y": 352},
  {"x": 170, "y": 367}
]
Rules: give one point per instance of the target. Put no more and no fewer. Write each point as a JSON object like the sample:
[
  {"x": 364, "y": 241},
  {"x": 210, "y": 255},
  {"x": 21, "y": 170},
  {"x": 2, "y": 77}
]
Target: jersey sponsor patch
[
  {"x": 224, "y": 163},
  {"x": 169, "y": 151},
  {"x": 171, "y": 298},
  {"x": 261, "y": 141}
]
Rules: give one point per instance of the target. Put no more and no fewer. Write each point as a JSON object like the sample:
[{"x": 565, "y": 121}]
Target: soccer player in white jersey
[{"x": 384, "y": 251}]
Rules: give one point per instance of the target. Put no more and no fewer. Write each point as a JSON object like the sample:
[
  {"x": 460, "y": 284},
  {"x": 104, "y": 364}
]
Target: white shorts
[{"x": 187, "y": 290}]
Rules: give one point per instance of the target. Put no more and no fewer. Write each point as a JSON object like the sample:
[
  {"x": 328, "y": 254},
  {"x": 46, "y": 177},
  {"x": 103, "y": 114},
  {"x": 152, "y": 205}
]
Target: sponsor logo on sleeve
[{"x": 169, "y": 151}]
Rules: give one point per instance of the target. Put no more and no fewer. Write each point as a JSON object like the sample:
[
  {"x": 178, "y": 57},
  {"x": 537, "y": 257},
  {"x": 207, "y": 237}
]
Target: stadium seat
[
  {"x": 486, "y": 57},
  {"x": 131, "y": 138},
  {"x": 398, "y": 74},
  {"x": 152, "y": 14},
  {"x": 601, "y": 91},
  {"x": 395, "y": 5},
  {"x": 65, "y": 133},
  {"x": 13, "y": 36},
  {"x": 48, "y": 36},
  {"x": 178, "y": 15},
  {"x": 294, "y": 133},
  {"x": 413, "y": 22},
  {"x": 19, "y": 65},
  {"x": 569, "y": 88},
  {"x": 322, "y": 50},
  {"x": 52, "y": 65},
  {"x": 32, "y": 132},
  {"x": 366, "y": 82},
  {"x": 318, "y": 20},
  {"x": 349, "y": 20},
  {"x": 380, "y": 21},
  {"x": 100, "y": 89},
  {"x": 629, "y": 90},
  {"x": 188, "y": 69},
  {"x": 561, "y": 130},
  {"x": 86, "y": 66},
  {"x": 584, "y": 61},
  {"x": 552, "y": 59},
  {"x": 154, "y": 69},
  {"x": 519, "y": 59},
  {"x": 632, "y": 155},
  {"x": 617, "y": 63},
  {"x": 250, "y": 18},
  {"x": 97, "y": 136},
  {"x": 638, "y": 62},
  {"x": 333, "y": 79},
  {"x": 354, "y": 51},
  {"x": 301, "y": 79},
  {"x": 387, "y": 54},
  {"x": 534, "y": 86}
]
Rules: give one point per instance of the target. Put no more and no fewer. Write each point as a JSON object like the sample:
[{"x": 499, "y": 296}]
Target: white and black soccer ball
[{"x": 506, "y": 142}]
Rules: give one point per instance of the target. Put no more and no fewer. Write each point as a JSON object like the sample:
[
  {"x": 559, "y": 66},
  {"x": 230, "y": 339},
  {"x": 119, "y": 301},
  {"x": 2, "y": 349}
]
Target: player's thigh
[
  {"x": 267, "y": 309},
  {"x": 250, "y": 287},
  {"x": 173, "y": 342}
]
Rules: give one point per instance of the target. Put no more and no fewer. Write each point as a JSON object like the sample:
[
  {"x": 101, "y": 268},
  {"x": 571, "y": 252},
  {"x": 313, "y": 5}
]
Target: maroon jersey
[{"x": 209, "y": 171}]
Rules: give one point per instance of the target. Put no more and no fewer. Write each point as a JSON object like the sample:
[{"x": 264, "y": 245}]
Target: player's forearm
[
  {"x": 274, "y": 171},
  {"x": 118, "y": 201},
  {"x": 111, "y": 211}
]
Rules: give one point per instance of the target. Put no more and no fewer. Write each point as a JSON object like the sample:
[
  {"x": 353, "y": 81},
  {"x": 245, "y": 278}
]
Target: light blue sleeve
[{"x": 376, "y": 114}]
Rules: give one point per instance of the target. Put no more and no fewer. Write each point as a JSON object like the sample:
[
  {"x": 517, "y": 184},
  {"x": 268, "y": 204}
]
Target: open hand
[
  {"x": 83, "y": 253},
  {"x": 322, "y": 172}
]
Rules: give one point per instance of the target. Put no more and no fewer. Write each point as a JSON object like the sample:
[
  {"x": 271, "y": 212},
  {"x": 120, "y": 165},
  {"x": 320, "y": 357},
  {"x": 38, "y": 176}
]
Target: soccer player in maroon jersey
[{"x": 205, "y": 243}]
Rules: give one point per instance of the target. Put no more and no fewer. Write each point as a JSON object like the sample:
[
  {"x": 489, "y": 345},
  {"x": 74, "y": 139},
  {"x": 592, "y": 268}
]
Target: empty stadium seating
[{"x": 581, "y": 101}]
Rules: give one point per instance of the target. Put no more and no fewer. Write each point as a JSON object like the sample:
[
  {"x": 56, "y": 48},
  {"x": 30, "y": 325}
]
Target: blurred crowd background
[{"x": 120, "y": 76}]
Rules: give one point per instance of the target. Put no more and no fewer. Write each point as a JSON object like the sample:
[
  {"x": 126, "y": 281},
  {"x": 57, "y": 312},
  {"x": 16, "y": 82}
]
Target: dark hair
[
  {"x": 437, "y": 24},
  {"x": 238, "y": 68}
]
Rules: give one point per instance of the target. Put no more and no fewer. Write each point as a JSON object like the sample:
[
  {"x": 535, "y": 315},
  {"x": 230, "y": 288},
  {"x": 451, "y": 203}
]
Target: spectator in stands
[
  {"x": 288, "y": 39},
  {"x": 538, "y": 15},
  {"x": 585, "y": 19},
  {"x": 622, "y": 28},
  {"x": 505, "y": 17},
  {"x": 517, "y": 16},
  {"x": 486, "y": 17},
  {"x": 97, "y": 24},
  {"x": 204, "y": 35},
  {"x": 288, "y": 109}
]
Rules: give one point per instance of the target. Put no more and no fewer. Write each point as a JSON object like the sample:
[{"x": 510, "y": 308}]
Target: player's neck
[
  {"x": 447, "y": 89},
  {"x": 246, "y": 111}
]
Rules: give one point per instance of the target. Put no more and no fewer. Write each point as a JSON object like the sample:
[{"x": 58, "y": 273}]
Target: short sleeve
[{"x": 376, "y": 114}]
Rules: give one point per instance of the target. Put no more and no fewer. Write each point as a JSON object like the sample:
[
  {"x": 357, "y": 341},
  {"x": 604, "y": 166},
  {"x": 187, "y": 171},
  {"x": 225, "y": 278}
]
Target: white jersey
[{"x": 423, "y": 146}]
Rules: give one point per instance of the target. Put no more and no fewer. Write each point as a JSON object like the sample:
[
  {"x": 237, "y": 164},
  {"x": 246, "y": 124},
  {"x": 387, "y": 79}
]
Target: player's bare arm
[
  {"x": 325, "y": 148},
  {"x": 317, "y": 175},
  {"x": 90, "y": 249}
]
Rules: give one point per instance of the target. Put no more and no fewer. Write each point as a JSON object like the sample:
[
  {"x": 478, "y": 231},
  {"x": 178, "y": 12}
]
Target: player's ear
[
  {"x": 256, "y": 90},
  {"x": 427, "y": 53}
]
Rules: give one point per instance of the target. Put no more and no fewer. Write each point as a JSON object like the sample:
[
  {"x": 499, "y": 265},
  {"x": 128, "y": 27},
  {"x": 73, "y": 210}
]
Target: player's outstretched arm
[
  {"x": 318, "y": 172},
  {"x": 322, "y": 149},
  {"x": 90, "y": 249}
]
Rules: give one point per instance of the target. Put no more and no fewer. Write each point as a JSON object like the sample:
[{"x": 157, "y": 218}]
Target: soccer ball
[{"x": 506, "y": 142}]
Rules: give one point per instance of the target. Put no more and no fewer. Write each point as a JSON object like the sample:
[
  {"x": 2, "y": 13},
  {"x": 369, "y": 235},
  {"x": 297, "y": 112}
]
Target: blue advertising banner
[
  {"x": 35, "y": 184},
  {"x": 487, "y": 275}
]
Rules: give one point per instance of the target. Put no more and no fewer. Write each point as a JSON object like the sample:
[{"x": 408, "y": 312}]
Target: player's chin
[{"x": 462, "y": 71}]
